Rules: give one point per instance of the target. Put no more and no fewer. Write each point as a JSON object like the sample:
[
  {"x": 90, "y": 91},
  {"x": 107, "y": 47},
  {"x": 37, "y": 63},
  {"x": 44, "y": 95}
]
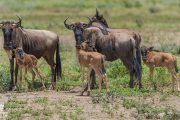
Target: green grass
[
  {"x": 151, "y": 112},
  {"x": 156, "y": 20}
]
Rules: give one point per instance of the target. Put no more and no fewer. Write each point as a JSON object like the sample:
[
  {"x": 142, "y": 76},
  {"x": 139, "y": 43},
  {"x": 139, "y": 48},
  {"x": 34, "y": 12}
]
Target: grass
[
  {"x": 156, "y": 20},
  {"x": 42, "y": 108},
  {"x": 151, "y": 112}
]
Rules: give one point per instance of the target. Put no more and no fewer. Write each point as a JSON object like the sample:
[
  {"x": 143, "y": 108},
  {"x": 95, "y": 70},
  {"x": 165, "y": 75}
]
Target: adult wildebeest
[
  {"x": 40, "y": 43},
  {"x": 132, "y": 63},
  {"x": 116, "y": 46},
  {"x": 99, "y": 21}
]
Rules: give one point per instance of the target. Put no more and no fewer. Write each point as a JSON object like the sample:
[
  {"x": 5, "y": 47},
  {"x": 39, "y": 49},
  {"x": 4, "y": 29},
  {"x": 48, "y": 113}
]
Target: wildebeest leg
[
  {"x": 100, "y": 78},
  {"x": 107, "y": 82},
  {"x": 128, "y": 63},
  {"x": 25, "y": 74},
  {"x": 151, "y": 73},
  {"x": 82, "y": 75},
  {"x": 177, "y": 81},
  {"x": 174, "y": 79},
  {"x": 42, "y": 79},
  {"x": 93, "y": 79},
  {"x": 21, "y": 67},
  {"x": 33, "y": 77},
  {"x": 12, "y": 83},
  {"x": 138, "y": 72},
  {"x": 50, "y": 61},
  {"x": 89, "y": 81},
  {"x": 16, "y": 73}
]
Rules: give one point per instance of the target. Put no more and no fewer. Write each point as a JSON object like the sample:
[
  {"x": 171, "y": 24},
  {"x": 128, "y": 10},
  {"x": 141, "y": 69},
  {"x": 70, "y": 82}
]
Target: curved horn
[
  {"x": 87, "y": 25},
  {"x": 97, "y": 12},
  {"x": 20, "y": 19},
  {"x": 90, "y": 21},
  {"x": 70, "y": 27}
]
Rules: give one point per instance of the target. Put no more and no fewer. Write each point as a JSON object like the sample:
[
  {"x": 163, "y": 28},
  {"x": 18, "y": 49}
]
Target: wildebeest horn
[
  {"x": 87, "y": 25},
  {"x": 97, "y": 12},
  {"x": 70, "y": 27},
  {"x": 19, "y": 22}
]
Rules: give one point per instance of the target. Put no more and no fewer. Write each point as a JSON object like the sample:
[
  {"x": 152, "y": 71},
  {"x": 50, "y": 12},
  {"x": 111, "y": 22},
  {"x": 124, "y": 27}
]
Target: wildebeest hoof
[
  {"x": 88, "y": 93},
  {"x": 51, "y": 87},
  {"x": 14, "y": 88}
]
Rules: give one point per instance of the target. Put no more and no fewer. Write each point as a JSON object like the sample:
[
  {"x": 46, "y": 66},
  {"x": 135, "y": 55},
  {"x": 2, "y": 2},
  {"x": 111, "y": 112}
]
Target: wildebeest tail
[
  {"x": 176, "y": 68},
  {"x": 138, "y": 56},
  {"x": 58, "y": 62},
  {"x": 136, "y": 60},
  {"x": 138, "y": 49}
]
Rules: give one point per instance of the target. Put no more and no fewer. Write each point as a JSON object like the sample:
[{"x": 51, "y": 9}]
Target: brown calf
[
  {"x": 29, "y": 62},
  {"x": 92, "y": 60},
  {"x": 152, "y": 59}
]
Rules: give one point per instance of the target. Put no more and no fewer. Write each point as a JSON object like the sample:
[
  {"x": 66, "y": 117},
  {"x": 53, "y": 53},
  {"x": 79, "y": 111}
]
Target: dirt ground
[
  {"x": 69, "y": 105},
  {"x": 88, "y": 110}
]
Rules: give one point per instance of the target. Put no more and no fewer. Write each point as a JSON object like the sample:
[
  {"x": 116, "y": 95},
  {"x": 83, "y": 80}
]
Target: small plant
[
  {"x": 14, "y": 103},
  {"x": 43, "y": 100},
  {"x": 63, "y": 115},
  {"x": 151, "y": 112}
]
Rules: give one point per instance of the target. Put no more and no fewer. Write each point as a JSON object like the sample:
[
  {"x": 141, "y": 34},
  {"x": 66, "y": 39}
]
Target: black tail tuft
[
  {"x": 176, "y": 68},
  {"x": 58, "y": 63},
  {"x": 138, "y": 56}
]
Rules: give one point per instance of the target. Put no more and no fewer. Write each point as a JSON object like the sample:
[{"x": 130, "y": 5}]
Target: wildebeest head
[
  {"x": 85, "y": 46},
  {"x": 78, "y": 29},
  {"x": 19, "y": 53},
  {"x": 99, "y": 18},
  {"x": 7, "y": 28},
  {"x": 144, "y": 52}
]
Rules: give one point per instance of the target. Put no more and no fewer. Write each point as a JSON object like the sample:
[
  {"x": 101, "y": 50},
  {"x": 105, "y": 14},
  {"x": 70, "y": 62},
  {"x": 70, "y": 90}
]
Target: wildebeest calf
[
  {"x": 92, "y": 60},
  {"x": 154, "y": 59},
  {"x": 29, "y": 62}
]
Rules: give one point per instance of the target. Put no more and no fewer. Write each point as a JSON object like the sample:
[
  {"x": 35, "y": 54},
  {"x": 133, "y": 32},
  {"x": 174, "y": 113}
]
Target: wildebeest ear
[
  {"x": 15, "y": 25},
  {"x": 151, "y": 48}
]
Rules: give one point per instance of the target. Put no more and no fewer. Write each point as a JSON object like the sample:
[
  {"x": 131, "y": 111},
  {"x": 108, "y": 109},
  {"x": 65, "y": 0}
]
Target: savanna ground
[{"x": 158, "y": 22}]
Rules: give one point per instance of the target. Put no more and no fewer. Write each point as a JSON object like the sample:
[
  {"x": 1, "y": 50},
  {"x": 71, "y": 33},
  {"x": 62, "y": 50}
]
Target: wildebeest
[
  {"x": 99, "y": 21},
  {"x": 153, "y": 58},
  {"x": 116, "y": 46},
  {"x": 131, "y": 61},
  {"x": 92, "y": 60},
  {"x": 40, "y": 43},
  {"x": 29, "y": 63}
]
